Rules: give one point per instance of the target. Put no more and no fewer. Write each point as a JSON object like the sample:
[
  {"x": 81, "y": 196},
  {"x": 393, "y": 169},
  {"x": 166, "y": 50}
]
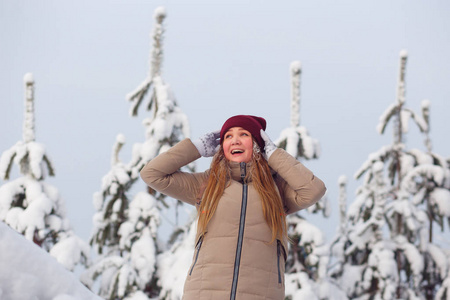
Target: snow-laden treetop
[
  {"x": 296, "y": 67},
  {"x": 159, "y": 14},
  {"x": 296, "y": 139},
  {"x": 137, "y": 96},
  {"x": 28, "y": 154},
  {"x": 28, "y": 78}
]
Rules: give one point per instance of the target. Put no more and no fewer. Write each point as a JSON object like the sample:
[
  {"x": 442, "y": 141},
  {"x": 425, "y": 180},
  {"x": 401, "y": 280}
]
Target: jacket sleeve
[
  {"x": 298, "y": 186},
  {"x": 162, "y": 173}
]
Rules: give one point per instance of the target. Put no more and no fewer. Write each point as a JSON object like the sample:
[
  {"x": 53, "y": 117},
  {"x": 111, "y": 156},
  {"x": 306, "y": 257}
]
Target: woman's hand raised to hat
[
  {"x": 208, "y": 144},
  {"x": 269, "y": 146}
]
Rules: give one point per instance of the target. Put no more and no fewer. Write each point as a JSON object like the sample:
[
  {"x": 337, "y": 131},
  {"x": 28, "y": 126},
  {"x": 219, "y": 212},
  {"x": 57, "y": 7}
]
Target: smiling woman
[
  {"x": 242, "y": 202},
  {"x": 238, "y": 145}
]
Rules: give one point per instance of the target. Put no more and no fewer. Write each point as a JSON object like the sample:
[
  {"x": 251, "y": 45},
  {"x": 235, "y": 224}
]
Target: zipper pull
[
  {"x": 199, "y": 243},
  {"x": 243, "y": 171}
]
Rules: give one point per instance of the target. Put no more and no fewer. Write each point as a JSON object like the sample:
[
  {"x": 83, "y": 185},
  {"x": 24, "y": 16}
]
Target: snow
[
  {"x": 441, "y": 198},
  {"x": 445, "y": 289},
  {"x": 309, "y": 233},
  {"x": 382, "y": 261},
  {"x": 403, "y": 53},
  {"x": 160, "y": 12},
  {"x": 28, "y": 78},
  {"x": 440, "y": 258},
  {"x": 5, "y": 161},
  {"x": 296, "y": 138},
  {"x": 143, "y": 255},
  {"x": 29, "y": 157},
  {"x": 120, "y": 138},
  {"x": 296, "y": 69},
  {"x": 385, "y": 117},
  {"x": 414, "y": 257},
  {"x": 299, "y": 287},
  {"x": 420, "y": 122},
  {"x": 36, "y": 210},
  {"x": 135, "y": 97},
  {"x": 32, "y": 217},
  {"x": 138, "y": 265},
  {"x": 28, "y": 272},
  {"x": 405, "y": 115},
  {"x": 425, "y": 104},
  {"x": 381, "y": 155},
  {"x": 342, "y": 180},
  {"x": 428, "y": 172},
  {"x": 174, "y": 264},
  {"x": 70, "y": 251}
]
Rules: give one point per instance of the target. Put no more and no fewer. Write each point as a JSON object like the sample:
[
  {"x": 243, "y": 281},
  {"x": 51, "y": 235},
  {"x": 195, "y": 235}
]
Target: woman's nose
[{"x": 235, "y": 140}]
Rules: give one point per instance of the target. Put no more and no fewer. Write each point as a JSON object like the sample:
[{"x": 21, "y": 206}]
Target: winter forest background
[{"x": 326, "y": 76}]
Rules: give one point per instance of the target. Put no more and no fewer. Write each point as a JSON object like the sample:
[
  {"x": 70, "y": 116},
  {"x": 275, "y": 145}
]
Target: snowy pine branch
[{"x": 297, "y": 142}]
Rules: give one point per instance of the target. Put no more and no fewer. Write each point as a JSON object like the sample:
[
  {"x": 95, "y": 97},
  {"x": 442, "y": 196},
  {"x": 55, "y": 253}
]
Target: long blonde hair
[{"x": 219, "y": 179}]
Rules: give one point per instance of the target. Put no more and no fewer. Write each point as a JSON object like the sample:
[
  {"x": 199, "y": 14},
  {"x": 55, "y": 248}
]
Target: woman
[{"x": 242, "y": 201}]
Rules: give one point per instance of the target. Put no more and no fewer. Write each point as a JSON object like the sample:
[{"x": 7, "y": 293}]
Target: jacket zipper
[
  {"x": 279, "y": 248},
  {"x": 278, "y": 261},
  {"x": 237, "y": 260},
  {"x": 198, "y": 246}
]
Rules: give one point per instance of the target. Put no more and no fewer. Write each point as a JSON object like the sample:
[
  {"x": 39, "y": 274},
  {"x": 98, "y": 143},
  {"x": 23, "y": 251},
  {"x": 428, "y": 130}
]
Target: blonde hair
[{"x": 264, "y": 184}]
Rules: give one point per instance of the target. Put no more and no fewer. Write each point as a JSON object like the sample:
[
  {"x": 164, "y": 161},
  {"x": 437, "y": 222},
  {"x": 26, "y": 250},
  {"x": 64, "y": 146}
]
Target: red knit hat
[{"x": 252, "y": 124}]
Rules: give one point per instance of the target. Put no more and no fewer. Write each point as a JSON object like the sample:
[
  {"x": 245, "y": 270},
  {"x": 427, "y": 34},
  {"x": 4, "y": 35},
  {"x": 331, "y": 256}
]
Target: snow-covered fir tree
[
  {"x": 173, "y": 264},
  {"x": 31, "y": 206},
  {"x": 387, "y": 251},
  {"x": 308, "y": 254},
  {"x": 125, "y": 233}
]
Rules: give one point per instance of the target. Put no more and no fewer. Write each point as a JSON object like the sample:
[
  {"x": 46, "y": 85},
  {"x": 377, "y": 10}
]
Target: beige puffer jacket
[{"x": 229, "y": 259}]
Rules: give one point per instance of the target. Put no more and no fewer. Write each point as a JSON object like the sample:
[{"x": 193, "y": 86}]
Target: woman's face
[{"x": 238, "y": 145}]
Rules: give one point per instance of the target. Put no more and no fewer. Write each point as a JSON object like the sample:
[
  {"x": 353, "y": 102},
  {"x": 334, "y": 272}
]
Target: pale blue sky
[{"x": 221, "y": 58}]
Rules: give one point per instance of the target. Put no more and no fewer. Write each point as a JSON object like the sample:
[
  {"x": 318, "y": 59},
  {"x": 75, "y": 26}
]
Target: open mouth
[{"x": 237, "y": 151}]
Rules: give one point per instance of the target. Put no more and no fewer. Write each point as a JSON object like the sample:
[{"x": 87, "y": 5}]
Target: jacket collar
[{"x": 235, "y": 170}]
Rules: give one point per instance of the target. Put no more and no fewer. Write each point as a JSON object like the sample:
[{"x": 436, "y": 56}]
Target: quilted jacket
[{"x": 234, "y": 259}]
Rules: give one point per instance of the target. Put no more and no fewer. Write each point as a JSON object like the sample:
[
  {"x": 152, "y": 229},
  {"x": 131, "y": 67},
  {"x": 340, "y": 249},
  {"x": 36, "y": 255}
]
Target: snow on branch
[
  {"x": 405, "y": 115},
  {"x": 441, "y": 260},
  {"x": 35, "y": 209},
  {"x": 427, "y": 172},
  {"x": 440, "y": 200},
  {"x": 174, "y": 263},
  {"x": 386, "y": 116},
  {"x": 136, "y": 96},
  {"x": 297, "y": 142},
  {"x": 380, "y": 155},
  {"x": 70, "y": 251},
  {"x": 413, "y": 258}
]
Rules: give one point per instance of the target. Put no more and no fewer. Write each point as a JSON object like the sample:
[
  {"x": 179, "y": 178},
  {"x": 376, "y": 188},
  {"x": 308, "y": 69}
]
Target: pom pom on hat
[{"x": 252, "y": 124}]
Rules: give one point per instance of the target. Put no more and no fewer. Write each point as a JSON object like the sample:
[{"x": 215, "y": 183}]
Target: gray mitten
[
  {"x": 269, "y": 147},
  {"x": 208, "y": 144}
]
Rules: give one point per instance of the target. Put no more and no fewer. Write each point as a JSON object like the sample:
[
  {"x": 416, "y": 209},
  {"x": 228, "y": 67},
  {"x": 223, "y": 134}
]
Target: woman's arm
[
  {"x": 162, "y": 173},
  {"x": 298, "y": 186}
]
